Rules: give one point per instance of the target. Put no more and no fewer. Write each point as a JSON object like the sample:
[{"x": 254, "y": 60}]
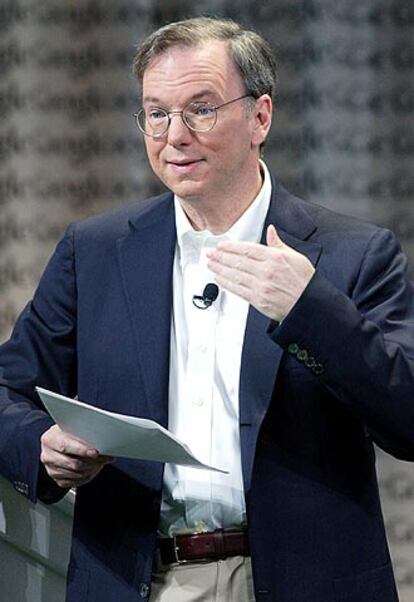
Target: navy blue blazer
[{"x": 315, "y": 392}]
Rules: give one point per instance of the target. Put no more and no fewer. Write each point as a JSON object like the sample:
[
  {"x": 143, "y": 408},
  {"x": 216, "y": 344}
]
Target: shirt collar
[{"x": 249, "y": 226}]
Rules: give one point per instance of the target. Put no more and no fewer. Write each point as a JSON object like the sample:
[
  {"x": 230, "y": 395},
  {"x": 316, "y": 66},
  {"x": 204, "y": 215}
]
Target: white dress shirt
[{"x": 205, "y": 357}]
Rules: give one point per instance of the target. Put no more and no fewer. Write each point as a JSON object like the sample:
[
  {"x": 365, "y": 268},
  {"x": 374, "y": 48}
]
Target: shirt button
[
  {"x": 202, "y": 348},
  {"x": 144, "y": 590},
  {"x": 199, "y": 402}
]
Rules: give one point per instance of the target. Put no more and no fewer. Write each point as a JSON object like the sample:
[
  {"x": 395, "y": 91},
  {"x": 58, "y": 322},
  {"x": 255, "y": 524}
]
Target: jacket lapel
[
  {"x": 146, "y": 260},
  {"x": 261, "y": 356}
]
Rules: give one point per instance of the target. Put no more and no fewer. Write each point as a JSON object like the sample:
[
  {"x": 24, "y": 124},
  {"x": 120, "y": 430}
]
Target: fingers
[
  {"x": 68, "y": 478},
  {"x": 68, "y": 471},
  {"x": 272, "y": 237},
  {"x": 236, "y": 261},
  {"x": 71, "y": 474},
  {"x": 235, "y": 267},
  {"x": 64, "y": 443},
  {"x": 234, "y": 285},
  {"x": 270, "y": 277},
  {"x": 228, "y": 269},
  {"x": 244, "y": 263},
  {"x": 68, "y": 460},
  {"x": 240, "y": 250},
  {"x": 251, "y": 250}
]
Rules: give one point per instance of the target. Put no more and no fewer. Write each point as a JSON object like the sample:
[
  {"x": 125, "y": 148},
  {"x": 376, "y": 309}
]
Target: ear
[{"x": 262, "y": 116}]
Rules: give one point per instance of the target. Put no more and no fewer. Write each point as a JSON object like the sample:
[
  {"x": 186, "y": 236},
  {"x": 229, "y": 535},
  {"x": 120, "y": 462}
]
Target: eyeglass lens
[{"x": 198, "y": 116}]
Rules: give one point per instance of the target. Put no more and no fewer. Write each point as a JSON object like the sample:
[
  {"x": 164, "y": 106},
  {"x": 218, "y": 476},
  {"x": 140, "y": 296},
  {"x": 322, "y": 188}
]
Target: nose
[{"x": 178, "y": 133}]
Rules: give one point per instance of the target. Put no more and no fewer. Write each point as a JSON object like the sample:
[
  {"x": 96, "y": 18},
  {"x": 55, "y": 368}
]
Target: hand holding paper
[
  {"x": 117, "y": 434},
  {"x": 69, "y": 461}
]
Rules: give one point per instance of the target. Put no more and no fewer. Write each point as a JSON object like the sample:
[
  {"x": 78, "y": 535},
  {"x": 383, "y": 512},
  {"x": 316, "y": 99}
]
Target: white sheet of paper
[{"x": 118, "y": 434}]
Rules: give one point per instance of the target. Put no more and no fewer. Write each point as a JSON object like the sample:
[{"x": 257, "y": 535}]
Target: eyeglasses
[{"x": 197, "y": 116}]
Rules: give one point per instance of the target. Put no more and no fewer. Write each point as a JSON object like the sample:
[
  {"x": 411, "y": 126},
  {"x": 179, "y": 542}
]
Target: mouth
[{"x": 184, "y": 165}]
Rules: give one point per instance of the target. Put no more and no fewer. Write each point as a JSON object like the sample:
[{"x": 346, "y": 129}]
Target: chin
[{"x": 187, "y": 191}]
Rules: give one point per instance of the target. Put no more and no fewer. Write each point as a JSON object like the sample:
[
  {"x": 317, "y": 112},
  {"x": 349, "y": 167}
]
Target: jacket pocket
[{"x": 376, "y": 585}]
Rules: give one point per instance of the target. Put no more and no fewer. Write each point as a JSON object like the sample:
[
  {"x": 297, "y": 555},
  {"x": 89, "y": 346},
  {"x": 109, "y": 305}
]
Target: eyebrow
[{"x": 196, "y": 96}]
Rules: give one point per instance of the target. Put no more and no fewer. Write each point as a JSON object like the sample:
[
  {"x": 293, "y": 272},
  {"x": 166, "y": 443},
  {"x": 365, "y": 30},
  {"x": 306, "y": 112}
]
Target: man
[{"x": 285, "y": 377}]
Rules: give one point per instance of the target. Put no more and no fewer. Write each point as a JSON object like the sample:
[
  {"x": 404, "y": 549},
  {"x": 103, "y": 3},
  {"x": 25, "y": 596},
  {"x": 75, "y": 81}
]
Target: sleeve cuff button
[{"x": 293, "y": 348}]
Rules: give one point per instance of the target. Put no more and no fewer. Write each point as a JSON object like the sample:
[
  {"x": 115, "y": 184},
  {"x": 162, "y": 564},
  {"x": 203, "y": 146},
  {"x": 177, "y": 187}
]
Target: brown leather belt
[{"x": 213, "y": 545}]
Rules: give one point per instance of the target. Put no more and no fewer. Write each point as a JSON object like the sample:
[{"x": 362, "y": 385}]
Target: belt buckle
[{"x": 176, "y": 550}]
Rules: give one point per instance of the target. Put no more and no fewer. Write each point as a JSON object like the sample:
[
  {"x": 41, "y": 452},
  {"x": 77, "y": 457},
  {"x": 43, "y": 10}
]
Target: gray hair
[{"x": 251, "y": 54}]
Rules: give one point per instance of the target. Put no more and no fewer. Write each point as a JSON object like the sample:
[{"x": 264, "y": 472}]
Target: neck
[{"x": 217, "y": 215}]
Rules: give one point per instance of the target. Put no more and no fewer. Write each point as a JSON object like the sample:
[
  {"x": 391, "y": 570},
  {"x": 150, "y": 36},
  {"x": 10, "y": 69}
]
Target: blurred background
[{"x": 343, "y": 135}]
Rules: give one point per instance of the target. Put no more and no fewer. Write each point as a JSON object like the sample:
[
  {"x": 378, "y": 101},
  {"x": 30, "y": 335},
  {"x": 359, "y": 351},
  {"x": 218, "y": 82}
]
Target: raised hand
[{"x": 270, "y": 277}]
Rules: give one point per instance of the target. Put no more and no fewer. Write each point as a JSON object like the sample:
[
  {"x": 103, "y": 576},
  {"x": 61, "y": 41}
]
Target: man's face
[{"x": 207, "y": 165}]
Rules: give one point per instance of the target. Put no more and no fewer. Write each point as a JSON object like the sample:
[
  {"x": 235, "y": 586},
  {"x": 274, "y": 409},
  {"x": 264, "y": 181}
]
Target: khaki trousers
[{"x": 228, "y": 580}]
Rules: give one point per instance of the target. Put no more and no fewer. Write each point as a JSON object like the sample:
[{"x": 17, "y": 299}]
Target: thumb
[{"x": 272, "y": 237}]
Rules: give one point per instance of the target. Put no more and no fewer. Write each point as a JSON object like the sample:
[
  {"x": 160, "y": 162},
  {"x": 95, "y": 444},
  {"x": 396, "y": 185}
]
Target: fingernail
[{"x": 92, "y": 452}]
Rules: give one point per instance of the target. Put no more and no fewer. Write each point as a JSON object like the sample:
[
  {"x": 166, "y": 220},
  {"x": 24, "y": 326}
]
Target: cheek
[{"x": 153, "y": 151}]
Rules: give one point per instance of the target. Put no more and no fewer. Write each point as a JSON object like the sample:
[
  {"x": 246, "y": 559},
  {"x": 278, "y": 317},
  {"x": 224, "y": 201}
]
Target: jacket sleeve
[
  {"x": 41, "y": 351},
  {"x": 363, "y": 343}
]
